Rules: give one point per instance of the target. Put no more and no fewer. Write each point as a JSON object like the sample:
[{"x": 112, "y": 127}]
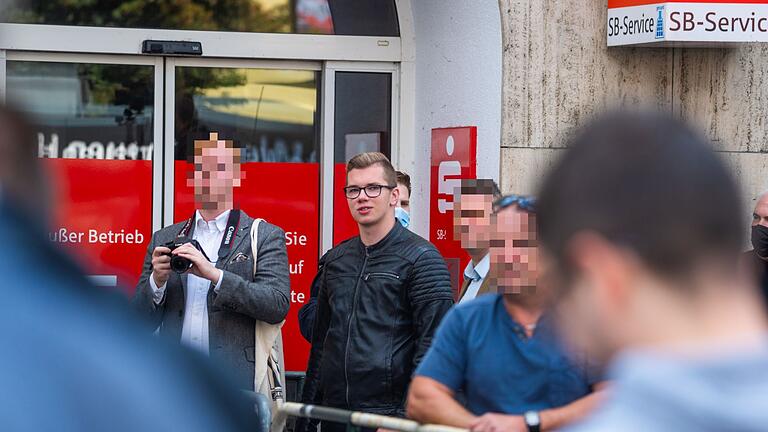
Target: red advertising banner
[
  {"x": 102, "y": 215},
  {"x": 454, "y": 157},
  {"x": 287, "y": 195}
]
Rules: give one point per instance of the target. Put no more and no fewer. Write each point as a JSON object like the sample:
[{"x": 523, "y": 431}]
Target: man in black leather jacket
[{"x": 381, "y": 296}]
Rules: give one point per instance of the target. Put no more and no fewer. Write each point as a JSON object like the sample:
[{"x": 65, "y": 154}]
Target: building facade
[{"x": 558, "y": 72}]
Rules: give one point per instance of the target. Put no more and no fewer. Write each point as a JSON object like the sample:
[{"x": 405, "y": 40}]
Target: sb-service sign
[{"x": 695, "y": 23}]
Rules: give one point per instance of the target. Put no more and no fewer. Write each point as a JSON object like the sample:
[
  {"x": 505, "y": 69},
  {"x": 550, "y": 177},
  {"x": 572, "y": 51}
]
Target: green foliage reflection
[{"x": 273, "y": 16}]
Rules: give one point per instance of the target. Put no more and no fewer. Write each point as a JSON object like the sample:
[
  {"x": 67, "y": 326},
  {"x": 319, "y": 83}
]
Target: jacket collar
[{"x": 388, "y": 239}]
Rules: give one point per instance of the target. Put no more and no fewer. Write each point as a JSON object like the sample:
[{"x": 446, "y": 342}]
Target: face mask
[
  {"x": 760, "y": 240},
  {"x": 403, "y": 217}
]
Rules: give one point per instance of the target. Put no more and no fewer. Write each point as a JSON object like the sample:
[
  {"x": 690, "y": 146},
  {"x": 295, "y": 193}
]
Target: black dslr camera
[{"x": 180, "y": 264}]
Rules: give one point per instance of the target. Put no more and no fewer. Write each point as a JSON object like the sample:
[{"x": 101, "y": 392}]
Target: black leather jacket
[{"x": 377, "y": 310}]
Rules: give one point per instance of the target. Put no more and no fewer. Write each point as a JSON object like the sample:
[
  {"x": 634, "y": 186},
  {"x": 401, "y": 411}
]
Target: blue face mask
[{"x": 403, "y": 217}]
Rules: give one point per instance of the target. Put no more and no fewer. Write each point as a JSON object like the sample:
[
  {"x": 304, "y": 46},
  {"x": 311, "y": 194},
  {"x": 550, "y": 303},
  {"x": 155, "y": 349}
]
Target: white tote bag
[{"x": 268, "y": 375}]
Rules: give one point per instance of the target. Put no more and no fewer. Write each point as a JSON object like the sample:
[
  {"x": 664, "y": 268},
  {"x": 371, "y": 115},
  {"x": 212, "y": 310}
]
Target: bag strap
[{"x": 273, "y": 360}]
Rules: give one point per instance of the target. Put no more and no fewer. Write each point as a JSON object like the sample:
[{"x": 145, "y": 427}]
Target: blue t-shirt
[{"x": 481, "y": 350}]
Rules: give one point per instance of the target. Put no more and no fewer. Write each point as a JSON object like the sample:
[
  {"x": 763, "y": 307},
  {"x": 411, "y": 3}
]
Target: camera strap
[{"x": 233, "y": 222}]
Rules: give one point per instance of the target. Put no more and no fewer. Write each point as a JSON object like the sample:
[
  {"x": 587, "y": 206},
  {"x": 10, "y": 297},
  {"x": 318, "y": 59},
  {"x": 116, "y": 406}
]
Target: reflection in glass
[
  {"x": 362, "y": 123},
  {"x": 342, "y": 17},
  {"x": 363, "y": 114},
  {"x": 270, "y": 113},
  {"x": 94, "y": 128},
  {"x": 86, "y": 111}
]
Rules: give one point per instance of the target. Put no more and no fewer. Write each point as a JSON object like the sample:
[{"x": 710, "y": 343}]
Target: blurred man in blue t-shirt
[{"x": 501, "y": 350}]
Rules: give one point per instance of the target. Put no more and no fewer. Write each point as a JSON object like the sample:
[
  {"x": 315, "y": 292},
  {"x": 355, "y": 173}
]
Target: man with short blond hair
[{"x": 381, "y": 295}]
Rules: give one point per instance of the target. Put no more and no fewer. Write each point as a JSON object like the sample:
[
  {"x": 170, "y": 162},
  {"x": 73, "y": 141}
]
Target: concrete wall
[
  {"x": 458, "y": 83},
  {"x": 558, "y": 72}
]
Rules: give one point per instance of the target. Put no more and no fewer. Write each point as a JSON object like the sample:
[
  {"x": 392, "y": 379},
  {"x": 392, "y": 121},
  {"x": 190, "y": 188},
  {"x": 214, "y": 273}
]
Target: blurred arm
[
  {"x": 431, "y": 402},
  {"x": 556, "y": 418},
  {"x": 149, "y": 300},
  {"x": 308, "y": 312}
]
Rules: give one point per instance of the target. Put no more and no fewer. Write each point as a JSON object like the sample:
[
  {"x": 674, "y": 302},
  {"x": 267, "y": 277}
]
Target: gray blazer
[{"x": 243, "y": 297}]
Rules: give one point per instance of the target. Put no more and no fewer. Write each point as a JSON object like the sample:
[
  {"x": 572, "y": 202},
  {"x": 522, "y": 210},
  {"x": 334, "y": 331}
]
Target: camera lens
[{"x": 180, "y": 264}]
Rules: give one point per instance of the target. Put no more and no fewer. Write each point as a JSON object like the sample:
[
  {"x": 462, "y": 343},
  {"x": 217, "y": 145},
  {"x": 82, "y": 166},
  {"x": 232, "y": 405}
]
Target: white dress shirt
[
  {"x": 194, "y": 331},
  {"x": 477, "y": 274}
]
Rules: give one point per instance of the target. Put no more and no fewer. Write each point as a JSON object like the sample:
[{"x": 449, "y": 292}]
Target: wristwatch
[{"x": 533, "y": 421}]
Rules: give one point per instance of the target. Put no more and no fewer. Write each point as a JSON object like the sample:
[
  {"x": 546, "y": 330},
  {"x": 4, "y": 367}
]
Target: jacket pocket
[
  {"x": 243, "y": 269},
  {"x": 381, "y": 274}
]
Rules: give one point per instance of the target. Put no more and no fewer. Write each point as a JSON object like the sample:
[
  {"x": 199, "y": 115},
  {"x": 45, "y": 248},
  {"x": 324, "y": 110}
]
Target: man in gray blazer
[{"x": 213, "y": 306}]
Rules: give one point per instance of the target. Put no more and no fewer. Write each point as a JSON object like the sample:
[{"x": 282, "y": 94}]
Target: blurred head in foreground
[
  {"x": 641, "y": 219},
  {"x": 99, "y": 378},
  {"x": 22, "y": 182}
]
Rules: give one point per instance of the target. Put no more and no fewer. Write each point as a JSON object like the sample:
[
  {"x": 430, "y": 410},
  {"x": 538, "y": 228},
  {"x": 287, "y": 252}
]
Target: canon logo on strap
[{"x": 230, "y": 231}]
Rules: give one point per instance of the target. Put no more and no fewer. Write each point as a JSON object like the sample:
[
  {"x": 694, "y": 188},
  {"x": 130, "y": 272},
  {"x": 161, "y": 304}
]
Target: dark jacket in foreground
[
  {"x": 243, "y": 297},
  {"x": 377, "y": 310}
]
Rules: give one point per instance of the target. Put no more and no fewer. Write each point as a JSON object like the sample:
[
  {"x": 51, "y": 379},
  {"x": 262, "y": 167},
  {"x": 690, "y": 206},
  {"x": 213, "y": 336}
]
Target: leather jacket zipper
[
  {"x": 349, "y": 327},
  {"x": 385, "y": 274}
]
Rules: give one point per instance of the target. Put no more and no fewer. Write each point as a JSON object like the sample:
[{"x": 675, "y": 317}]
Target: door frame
[{"x": 222, "y": 44}]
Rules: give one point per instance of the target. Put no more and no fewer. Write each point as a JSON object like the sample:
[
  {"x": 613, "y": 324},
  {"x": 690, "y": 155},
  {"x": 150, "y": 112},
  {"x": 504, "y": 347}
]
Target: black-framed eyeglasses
[
  {"x": 526, "y": 203},
  {"x": 371, "y": 191}
]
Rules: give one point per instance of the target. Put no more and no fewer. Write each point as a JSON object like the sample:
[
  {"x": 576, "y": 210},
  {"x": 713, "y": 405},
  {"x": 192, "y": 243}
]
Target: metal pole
[{"x": 360, "y": 419}]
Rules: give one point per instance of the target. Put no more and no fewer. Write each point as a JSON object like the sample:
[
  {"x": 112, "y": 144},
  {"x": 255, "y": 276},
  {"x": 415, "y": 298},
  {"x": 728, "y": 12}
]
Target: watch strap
[{"x": 532, "y": 421}]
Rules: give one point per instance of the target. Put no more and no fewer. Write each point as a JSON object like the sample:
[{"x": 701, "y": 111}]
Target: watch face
[{"x": 532, "y": 418}]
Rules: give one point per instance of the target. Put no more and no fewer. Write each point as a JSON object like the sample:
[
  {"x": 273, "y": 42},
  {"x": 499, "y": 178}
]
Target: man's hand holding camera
[
  {"x": 183, "y": 257},
  {"x": 161, "y": 265},
  {"x": 201, "y": 266}
]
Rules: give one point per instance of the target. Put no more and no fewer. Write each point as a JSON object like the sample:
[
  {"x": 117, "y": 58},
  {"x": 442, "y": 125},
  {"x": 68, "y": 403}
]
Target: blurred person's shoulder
[{"x": 651, "y": 390}]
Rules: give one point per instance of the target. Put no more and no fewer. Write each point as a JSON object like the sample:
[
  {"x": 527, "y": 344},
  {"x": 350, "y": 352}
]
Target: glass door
[
  {"x": 97, "y": 121},
  {"x": 117, "y": 133},
  {"x": 270, "y": 111}
]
